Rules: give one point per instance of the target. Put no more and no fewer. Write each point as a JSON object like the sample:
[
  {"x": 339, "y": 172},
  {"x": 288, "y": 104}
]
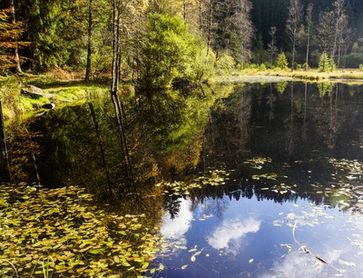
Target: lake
[{"x": 251, "y": 180}]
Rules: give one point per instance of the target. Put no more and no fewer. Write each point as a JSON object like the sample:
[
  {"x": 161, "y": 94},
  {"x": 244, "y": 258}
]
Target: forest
[
  {"x": 190, "y": 37},
  {"x": 183, "y": 138}
]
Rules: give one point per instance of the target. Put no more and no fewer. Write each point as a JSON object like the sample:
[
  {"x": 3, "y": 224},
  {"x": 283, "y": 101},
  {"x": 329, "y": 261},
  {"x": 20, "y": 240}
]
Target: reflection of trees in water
[
  {"x": 213, "y": 206},
  {"x": 304, "y": 127},
  {"x": 23, "y": 150},
  {"x": 228, "y": 131},
  {"x": 168, "y": 136},
  {"x": 172, "y": 205},
  {"x": 303, "y": 122},
  {"x": 80, "y": 144}
]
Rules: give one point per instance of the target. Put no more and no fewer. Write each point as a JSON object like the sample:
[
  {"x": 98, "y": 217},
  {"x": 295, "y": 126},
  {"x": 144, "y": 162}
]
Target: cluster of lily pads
[
  {"x": 258, "y": 162},
  {"x": 60, "y": 232},
  {"x": 212, "y": 178},
  {"x": 349, "y": 190}
]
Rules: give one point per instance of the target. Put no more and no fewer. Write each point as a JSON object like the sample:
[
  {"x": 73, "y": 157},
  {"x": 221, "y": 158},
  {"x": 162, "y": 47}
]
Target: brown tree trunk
[
  {"x": 89, "y": 43},
  {"x": 16, "y": 50},
  {"x": 185, "y": 10},
  {"x": 209, "y": 39}
]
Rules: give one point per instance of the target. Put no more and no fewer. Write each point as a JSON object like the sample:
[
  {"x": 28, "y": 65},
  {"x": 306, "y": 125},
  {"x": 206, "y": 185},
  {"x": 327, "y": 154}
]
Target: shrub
[
  {"x": 263, "y": 67},
  {"x": 326, "y": 63},
  {"x": 361, "y": 67},
  {"x": 281, "y": 62},
  {"x": 225, "y": 63},
  {"x": 172, "y": 53}
]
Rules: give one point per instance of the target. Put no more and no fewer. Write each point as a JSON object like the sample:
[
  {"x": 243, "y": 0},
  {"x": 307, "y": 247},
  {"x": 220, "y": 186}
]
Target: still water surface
[
  {"x": 284, "y": 196},
  {"x": 293, "y": 204}
]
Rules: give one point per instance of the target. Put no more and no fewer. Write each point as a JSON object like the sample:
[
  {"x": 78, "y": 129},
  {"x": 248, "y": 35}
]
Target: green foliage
[
  {"x": 361, "y": 67},
  {"x": 171, "y": 52},
  {"x": 326, "y": 63},
  {"x": 282, "y": 62},
  {"x": 225, "y": 63},
  {"x": 57, "y": 31}
]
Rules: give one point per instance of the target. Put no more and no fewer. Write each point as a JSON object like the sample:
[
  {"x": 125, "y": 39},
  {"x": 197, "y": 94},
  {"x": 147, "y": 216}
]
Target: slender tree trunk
[
  {"x": 293, "y": 52},
  {"x": 16, "y": 50},
  {"x": 89, "y": 42},
  {"x": 4, "y": 160},
  {"x": 339, "y": 52},
  {"x": 309, "y": 21},
  {"x": 116, "y": 74},
  {"x": 338, "y": 14},
  {"x": 209, "y": 39},
  {"x": 307, "y": 50},
  {"x": 200, "y": 16},
  {"x": 185, "y": 10}
]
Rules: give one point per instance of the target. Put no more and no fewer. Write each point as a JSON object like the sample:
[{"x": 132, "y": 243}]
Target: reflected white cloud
[
  {"x": 230, "y": 234},
  {"x": 176, "y": 228},
  {"x": 295, "y": 265}
]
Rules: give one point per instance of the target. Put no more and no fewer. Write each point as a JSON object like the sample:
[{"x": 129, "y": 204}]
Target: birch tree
[
  {"x": 326, "y": 31},
  {"x": 89, "y": 40},
  {"x": 309, "y": 26},
  {"x": 340, "y": 19},
  {"x": 242, "y": 24},
  {"x": 293, "y": 23},
  {"x": 272, "y": 49},
  {"x": 16, "y": 49}
]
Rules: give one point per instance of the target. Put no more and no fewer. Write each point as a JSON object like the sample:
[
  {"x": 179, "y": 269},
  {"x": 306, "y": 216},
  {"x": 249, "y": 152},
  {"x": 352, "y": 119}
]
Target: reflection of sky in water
[
  {"x": 175, "y": 229},
  {"x": 247, "y": 238},
  {"x": 231, "y": 232}
]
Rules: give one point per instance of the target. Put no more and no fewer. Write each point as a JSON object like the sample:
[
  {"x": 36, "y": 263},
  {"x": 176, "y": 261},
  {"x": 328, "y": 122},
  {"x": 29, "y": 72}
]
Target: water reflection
[
  {"x": 175, "y": 228},
  {"x": 291, "y": 205},
  {"x": 229, "y": 235},
  {"x": 293, "y": 154}
]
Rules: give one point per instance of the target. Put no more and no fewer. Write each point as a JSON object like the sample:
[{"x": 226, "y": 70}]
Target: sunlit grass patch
[
  {"x": 313, "y": 75},
  {"x": 59, "y": 92}
]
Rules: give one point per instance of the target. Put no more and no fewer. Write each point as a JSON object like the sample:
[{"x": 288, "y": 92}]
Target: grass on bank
[
  {"x": 311, "y": 74},
  {"x": 62, "y": 92},
  {"x": 67, "y": 88}
]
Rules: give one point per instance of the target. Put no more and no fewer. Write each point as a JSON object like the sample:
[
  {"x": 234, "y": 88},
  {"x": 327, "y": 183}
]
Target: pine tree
[
  {"x": 282, "y": 62},
  {"x": 326, "y": 63}
]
